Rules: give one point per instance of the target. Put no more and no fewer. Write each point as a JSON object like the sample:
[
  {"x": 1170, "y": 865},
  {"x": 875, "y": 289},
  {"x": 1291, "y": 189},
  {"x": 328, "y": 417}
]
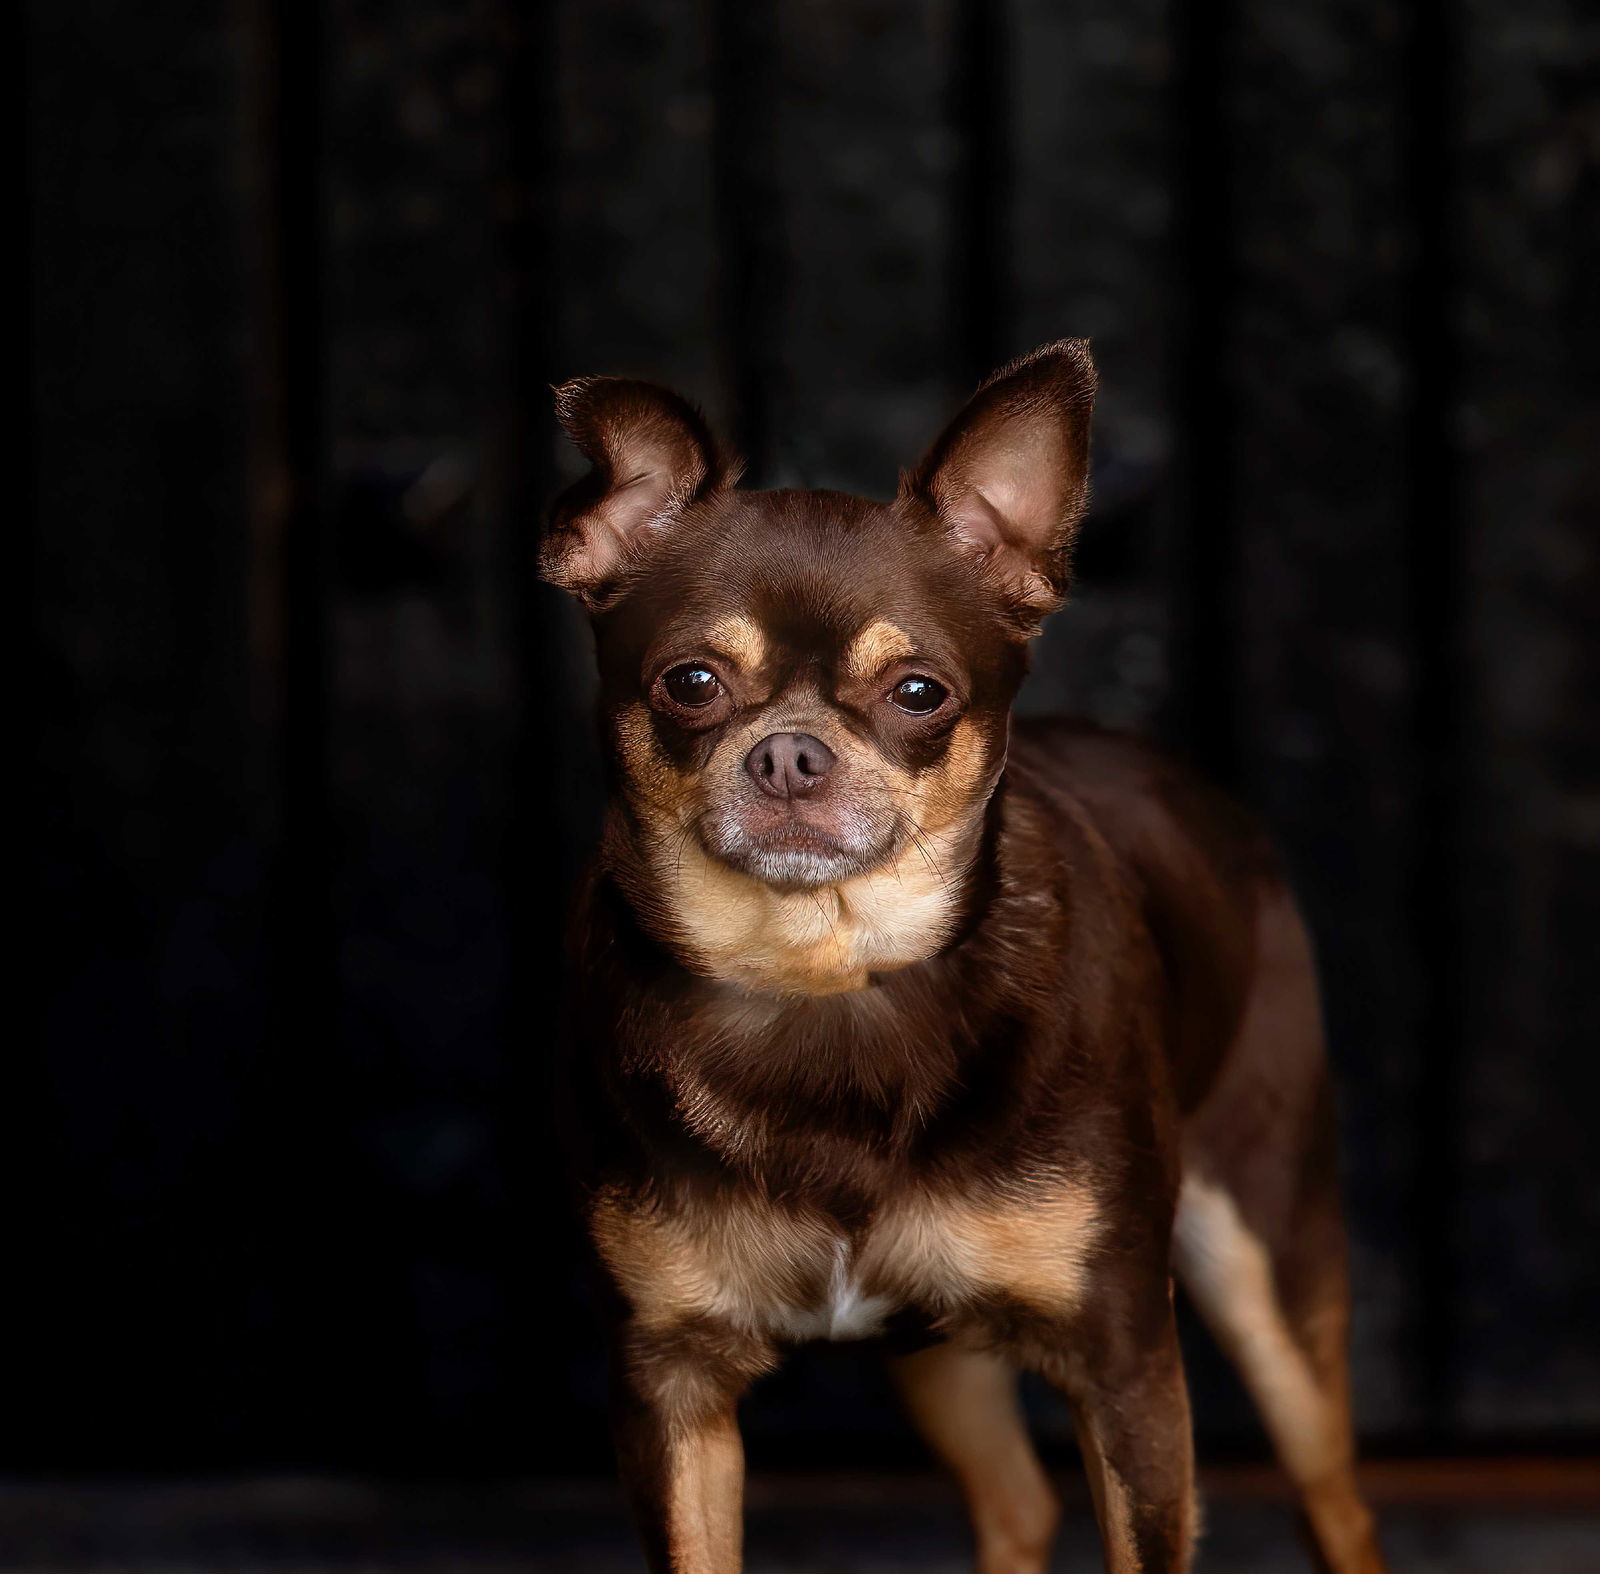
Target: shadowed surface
[{"x": 1472, "y": 1519}]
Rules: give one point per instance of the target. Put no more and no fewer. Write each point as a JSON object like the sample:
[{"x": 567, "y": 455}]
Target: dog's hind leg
[
  {"x": 1259, "y": 1238},
  {"x": 964, "y": 1402},
  {"x": 1292, "y": 1362}
]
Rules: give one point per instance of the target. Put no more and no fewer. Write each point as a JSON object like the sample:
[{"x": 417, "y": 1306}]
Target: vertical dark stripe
[
  {"x": 750, "y": 278},
  {"x": 981, "y": 308},
  {"x": 546, "y": 825},
  {"x": 41, "y": 1234},
  {"x": 307, "y": 931},
  {"x": 1205, "y": 659},
  {"x": 1436, "y": 586},
  {"x": 295, "y": 1109},
  {"x": 529, "y": 244}
]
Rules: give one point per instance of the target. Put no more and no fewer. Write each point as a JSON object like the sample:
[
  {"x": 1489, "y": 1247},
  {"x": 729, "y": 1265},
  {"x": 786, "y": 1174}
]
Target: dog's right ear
[
  {"x": 1009, "y": 479},
  {"x": 652, "y": 455}
]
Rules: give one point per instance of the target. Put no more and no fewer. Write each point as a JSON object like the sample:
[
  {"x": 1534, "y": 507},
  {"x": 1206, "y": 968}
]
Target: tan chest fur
[{"x": 782, "y": 1273}]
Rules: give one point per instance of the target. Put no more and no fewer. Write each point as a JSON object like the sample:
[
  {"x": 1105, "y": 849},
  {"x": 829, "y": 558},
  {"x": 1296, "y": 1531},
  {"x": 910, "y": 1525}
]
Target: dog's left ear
[
  {"x": 652, "y": 456},
  {"x": 1009, "y": 479}
]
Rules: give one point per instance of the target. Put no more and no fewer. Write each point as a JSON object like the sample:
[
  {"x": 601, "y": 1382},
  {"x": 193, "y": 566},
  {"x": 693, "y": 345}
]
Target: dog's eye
[
  {"x": 691, "y": 686},
  {"x": 918, "y": 695}
]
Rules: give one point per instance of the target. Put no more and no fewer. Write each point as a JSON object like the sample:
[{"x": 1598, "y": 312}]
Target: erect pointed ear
[
  {"x": 652, "y": 455},
  {"x": 1009, "y": 478}
]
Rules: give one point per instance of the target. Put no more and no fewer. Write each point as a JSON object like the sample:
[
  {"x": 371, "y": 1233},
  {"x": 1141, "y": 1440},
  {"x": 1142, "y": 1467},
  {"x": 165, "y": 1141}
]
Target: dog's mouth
[{"x": 797, "y": 846}]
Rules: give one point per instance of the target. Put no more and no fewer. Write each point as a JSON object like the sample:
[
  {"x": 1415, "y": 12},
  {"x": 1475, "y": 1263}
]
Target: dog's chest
[
  {"x": 845, "y": 1308},
  {"x": 795, "y": 1274}
]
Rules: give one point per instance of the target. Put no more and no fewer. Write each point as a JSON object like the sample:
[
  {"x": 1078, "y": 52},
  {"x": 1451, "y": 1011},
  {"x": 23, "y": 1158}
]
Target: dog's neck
[{"x": 824, "y": 940}]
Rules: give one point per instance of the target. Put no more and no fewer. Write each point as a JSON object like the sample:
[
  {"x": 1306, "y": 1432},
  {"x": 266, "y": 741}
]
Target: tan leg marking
[
  {"x": 683, "y": 1471},
  {"x": 964, "y": 1402},
  {"x": 1228, "y": 1272},
  {"x": 1113, "y": 1508},
  {"x": 705, "y": 1497}
]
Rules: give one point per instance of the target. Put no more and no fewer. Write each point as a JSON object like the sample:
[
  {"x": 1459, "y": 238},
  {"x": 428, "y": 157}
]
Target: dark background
[{"x": 310, "y": 746}]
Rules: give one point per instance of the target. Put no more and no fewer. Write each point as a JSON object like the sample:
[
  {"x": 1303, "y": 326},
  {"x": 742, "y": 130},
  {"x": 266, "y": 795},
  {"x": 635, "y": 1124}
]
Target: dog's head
[{"x": 805, "y": 687}]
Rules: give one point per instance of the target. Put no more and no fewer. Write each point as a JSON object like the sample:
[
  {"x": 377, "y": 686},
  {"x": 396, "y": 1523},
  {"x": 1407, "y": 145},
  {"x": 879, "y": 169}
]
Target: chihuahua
[{"x": 896, "y": 1019}]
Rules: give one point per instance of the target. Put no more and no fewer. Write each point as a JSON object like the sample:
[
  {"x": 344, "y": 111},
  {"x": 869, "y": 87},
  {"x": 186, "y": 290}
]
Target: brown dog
[{"x": 893, "y": 1018}]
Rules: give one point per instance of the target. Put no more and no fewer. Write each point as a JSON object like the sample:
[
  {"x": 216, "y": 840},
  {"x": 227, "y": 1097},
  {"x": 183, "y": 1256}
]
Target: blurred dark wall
[{"x": 312, "y": 760}]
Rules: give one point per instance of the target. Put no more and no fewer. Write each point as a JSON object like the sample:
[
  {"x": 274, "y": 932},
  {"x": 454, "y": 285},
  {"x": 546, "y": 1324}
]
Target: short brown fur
[{"x": 891, "y": 1015}]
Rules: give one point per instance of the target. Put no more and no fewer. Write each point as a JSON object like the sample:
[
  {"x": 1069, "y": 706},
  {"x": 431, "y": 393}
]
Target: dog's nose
[{"x": 789, "y": 764}]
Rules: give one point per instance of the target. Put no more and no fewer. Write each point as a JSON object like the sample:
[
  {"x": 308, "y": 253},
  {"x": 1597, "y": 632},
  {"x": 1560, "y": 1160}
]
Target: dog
[{"x": 894, "y": 1018}]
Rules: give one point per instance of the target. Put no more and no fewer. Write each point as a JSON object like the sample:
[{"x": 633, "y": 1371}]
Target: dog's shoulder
[
  {"x": 1154, "y": 809},
  {"x": 1201, "y": 865}
]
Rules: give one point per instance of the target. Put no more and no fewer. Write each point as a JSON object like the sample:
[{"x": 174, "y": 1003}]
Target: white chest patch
[{"x": 845, "y": 1313}]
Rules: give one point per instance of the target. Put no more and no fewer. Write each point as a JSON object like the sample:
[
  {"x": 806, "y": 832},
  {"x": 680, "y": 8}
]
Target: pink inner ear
[
  {"x": 1019, "y": 486},
  {"x": 651, "y": 453},
  {"x": 599, "y": 540},
  {"x": 1009, "y": 474},
  {"x": 625, "y": 510},
  {"x": 1010, "y": 497},
  {"x": 977, "y": 523},
  {"x": 1005, "y": 502},
  {"x": 630, "y": 505}
]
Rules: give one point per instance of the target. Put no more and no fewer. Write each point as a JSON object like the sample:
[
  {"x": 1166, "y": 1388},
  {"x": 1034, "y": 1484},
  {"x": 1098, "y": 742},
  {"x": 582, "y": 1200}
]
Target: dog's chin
[{"x": 795, "y": 857}]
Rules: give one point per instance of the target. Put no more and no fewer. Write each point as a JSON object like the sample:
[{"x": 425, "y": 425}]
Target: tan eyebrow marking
[
  {"x": 874, "y": 648},
  {"x": 739, "y": 640}
]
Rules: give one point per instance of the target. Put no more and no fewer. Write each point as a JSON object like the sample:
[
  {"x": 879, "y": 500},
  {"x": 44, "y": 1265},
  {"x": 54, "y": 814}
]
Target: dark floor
[{"x": 1531, "y": 1519}]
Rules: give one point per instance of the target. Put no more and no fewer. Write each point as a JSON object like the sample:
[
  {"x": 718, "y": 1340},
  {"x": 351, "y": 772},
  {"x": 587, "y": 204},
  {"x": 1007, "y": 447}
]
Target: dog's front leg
[
  {"x": 679, "y": 1450},
  {"x": 1122, "y": 1373}
]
